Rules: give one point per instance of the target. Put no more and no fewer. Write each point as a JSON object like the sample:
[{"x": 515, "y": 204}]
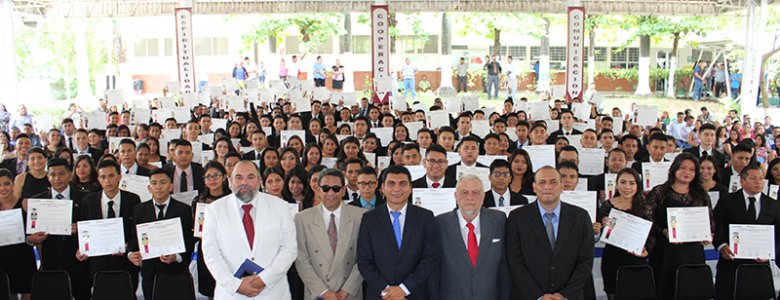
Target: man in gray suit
[
  {"x": 327, "y": 243},
  {"x": 473, "y": 263}
]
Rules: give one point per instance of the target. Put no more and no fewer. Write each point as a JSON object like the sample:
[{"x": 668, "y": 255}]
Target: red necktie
[
  {"x": 473, "y": 247},
  {"x": 435, "y": 185},
  {"x": 249, "y": 226}
]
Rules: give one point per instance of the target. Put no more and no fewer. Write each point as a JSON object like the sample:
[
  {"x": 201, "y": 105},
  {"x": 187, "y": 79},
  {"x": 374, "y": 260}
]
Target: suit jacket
[
  {"x": 422, "y": 182},
  {"x": 515, "y": 199},
  {"x": 535, "y": 267},
  {"x": 91, "y": 209},
  {"x": 94, "y": 153},
  {"x": 141, "y": 171},
  {"x": 318, "y": 266},
  {"x": 379, "y": 201},
  {"x": 250, "y": 155},
  {"x": 720, "y": 159},
  {"x": 452, "y": 170},
  {"x": 225, "y": 246},
  {"x": 637, "y": 165},
  {"x": 145, "y": 213},
  {"x": 197, "y": 176},
  {"x": 10, "y": 164},
  {"x": 415, "y": 265},
  {"x": 555, "y": 134},
  {"x": 725, "y": 176},
  {"x": 59, "y": 252},
  {"x": 459, "y": 279},
  {"x": 731, "y": 209}
]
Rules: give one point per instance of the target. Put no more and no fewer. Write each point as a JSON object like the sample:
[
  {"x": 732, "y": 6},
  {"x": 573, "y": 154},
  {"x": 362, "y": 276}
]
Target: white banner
[
  {"x": 574, "y": 53},
  {"x": 185, "y": 50},
  {"x": 380, "y": 45}
]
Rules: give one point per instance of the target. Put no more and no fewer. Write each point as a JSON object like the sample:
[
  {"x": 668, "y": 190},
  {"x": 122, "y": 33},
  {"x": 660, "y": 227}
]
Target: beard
[{"x": 245, "y": 193}]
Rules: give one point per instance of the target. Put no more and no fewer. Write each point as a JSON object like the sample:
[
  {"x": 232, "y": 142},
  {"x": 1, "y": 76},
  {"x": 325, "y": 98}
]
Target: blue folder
[{"x": 248, "y": 268}]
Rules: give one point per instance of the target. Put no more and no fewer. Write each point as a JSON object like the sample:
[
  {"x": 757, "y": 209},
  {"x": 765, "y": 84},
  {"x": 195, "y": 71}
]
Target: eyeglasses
[
  {"x": 213, "y": 177},
  {"x": 367, "y": 183},
  {"x": 437, "y": 161},
  {"x": 327, "y": 188},
  {"x": 502, "y": 174}
]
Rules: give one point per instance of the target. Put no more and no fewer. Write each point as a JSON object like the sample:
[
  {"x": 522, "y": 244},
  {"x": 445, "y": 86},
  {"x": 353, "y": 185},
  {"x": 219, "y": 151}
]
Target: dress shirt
[
  {"x": 104, "y": 204},
  {"x": 556, "y": 218},
  {"x": 350, "y": 192},
  {"x": 364, "y": 203},
  {"x": 430, "y": 182},
  {"x": 253, "y": 211},
  {"x": 675, "y": 129},
  {"x": 326, "y": 217},
  {"x": 757, "y": 203},
  {"x": 133, "y": 170},
  {"x": 165, "y": 208},
  {"x": 65, "y": 193},
  {"x": 507, "y": 197},
  {"x": 177, "y": 177},
  {"x": 464, "y": 231},
  {"x": 709, "y": 152},
  {"x": 402, "y": 219},
  {"x": 79, "y": 151}
]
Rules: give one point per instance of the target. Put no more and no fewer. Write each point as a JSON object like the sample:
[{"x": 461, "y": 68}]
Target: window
[
  {"x": 557, "y": 53},
  {"x": 517, "y": 52},
  {"x": 361, "y": 44},
  {"x": 600, "y": 54},
  {"x": 412, "y": 44},
  {"x": 706, "y": 55},
  {"x": 212, "y": 46},
  {"x": 292, "y": 44},
  {"x": 501, "y": 51},
  {"x": 147, "y": 48},
  {"x": 535, "y": 53},
  {"x": 170, "y": 48},
  {"x": 624, "y": 58}
]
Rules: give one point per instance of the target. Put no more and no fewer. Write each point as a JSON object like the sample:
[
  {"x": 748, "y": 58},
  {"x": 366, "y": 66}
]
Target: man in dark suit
[
  {"x": 187, "y": 176},
  {"x": 58, "y": 252},
  {"x": 499, "y": 194},
  {"x": 468, "y": 149},
  {"x": 740, "y": 158},
  {"x": 110, "y": 203},
  {"x": 18, "y": 165},
  {"x": 398, "y": 245},
  {"x": 464, "y": 126},
  {"x": 522, "y": 129},
  {"x": 745, "y": 206},
  {"x": 350, "y": 168},
  {"x": 259, "y": 143},
  {"x": 192, "y": 134},
  {"x": 367, "y": 182},
  {"x": 656, "y": 146},
  {"x": 162, "y": 207},
  {"x": 435, "y": 166},
  {"x": 473, "y": 262},
  {"x": 82, "y": 145},
  {"x": 549, "y": 244},
  {"x": 707, "y": 136},
  {"x": 127, "y": 157},
  {"x": 616, "y": 161},
  {"x": 567, "y": 127}
]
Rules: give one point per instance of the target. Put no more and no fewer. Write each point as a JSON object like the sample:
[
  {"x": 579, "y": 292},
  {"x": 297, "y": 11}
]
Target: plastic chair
[
  {"x": 694, "y": 282},
  {"x": 635, "y": 283},
  {"x": 113, "y": 285},
  {"x": 173, "y": 286},
  {"x": 754, "y": 281},
  {"x": 50, "y": 285}
]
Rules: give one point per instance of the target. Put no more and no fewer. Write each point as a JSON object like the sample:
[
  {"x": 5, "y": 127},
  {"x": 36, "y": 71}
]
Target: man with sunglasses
[
  {"x": 499, "y": 194},
  {"x": 337, "y": 223},
  {"x": 367, "y": 183}
]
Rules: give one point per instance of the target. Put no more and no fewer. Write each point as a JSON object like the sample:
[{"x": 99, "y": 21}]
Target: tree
[
  {"x": 491, "y": 25},
  {"x": 679, "y": 28},
  {"x": 644, "y": 28},
  {"x": 414, "y": 19},
  {"x": 313, "y": 30},
  {"x": 592, "y": 24}
]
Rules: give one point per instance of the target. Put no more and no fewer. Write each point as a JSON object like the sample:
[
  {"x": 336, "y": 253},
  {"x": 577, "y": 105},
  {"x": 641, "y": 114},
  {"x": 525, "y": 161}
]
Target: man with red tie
[
  {"x": 266, "y": 249},
  {"x": 435, "y": 169},
  {"x": 478, "y": 270}
]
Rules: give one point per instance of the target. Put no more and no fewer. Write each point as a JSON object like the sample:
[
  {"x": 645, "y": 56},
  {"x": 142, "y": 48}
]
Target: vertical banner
[
  {"x": 575, "y": 49},
  {"x": 185, "y": 51},
  {"x": 380, "y": 45}
]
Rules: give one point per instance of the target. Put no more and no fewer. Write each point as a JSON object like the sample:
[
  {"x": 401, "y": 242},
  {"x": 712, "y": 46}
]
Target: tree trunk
[
  {"x": 272, "y": 44},
  {"x": 643, "y": 84},
  {"x": 392, "y": 22},
  {"x": 82, "y": 62},
  {"x": 496, "y": 41},
  {"x": 543, "y": 84},
  {"x": 346, "y": 41},
  {"x": 446, "y": 51},
  {"x": 670, "y": 89},
  {"x": 592, "y": 56}
]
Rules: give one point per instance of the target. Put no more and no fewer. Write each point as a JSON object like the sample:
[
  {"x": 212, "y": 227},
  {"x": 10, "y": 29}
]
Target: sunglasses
[{"x": 327, "y": 188}]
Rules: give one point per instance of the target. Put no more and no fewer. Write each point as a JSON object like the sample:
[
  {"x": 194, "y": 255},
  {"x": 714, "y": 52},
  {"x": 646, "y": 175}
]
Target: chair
[
  {"x": 694, "y": 282},
  {"x": 754, "y": 281},
  {"x": 173, "y": 286},
  {"x": 113, "y": 285},
  {"x": 5, "y": 287},
  {"x": 50, "y": 285},
  {"x": 635, "y": 283}
]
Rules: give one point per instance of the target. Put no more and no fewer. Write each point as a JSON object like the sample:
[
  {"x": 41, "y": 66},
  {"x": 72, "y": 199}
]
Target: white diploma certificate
[
  {"x": 591, "y": 161},
  {"x": 645, "y": 115},
  {"x": 583, "y": 199},
  {"x": 480, "y": 128},
  {"x": 50, "y": 216},
  {"x": 626, "y": 231},
  {"x": 540, "y": 110},
  {"x": 752, "y": 241},
  {"x": 506, "y": 209},
  {"x": 412, "y": 128},
  {"x": 285, "y": 136},
  {"x": 438, "y": 201},
  {"x": 136, "y": 184},
  {"x": 417, "y": 172},
  {"x": 385, "y": 135},
  {"x": 438, "y": 119},
  {"x": 200, "y": 218},
  {"x": 734, "y": 184},
  {"x": 654, "y": 173},
  {"x": 489, "y": 159},
  {"x": 688, "y": 224},
  {"x": 160, "y": 238},
  {"x": 101, "y": 237},
  {"x": 11, "y": 227},
  {"x": 329, "y": 162},
  {"x": 610, "y": 184},
  {"x": 482, "y": 173},
  {"x": 541, "y": 155},
  {"x": 773, "y": 191},
  {"x": 185, "y": 197}
]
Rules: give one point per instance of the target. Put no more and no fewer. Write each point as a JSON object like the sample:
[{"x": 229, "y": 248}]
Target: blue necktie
[{"x": 397, "y": 227}]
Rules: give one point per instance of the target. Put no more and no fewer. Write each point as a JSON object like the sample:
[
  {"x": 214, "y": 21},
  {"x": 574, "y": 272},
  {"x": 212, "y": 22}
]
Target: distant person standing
[
  {"x": 407, "y": 74},
  {"x": 261, "y": 72},
  {"x": 511, "y": 79},
  {"x": 319, "y": 73},
  {"x": 282, "y": 70},
  {"x": 251, "y": 68},
  {"x": 720, "y": 80},
  {"x": 463, "y": 69},
  {"x": 5, "y": 117},
  {"x": 698, "y": 79},
  {"x": 338, "y": 76},
  {"x": 294, "y": 70},
  {"x": 735, "y": 80},
  {"x": 22, "y": 118},
  {"x": 239, "y": 73},
  {"x": 493, "y": 70}
]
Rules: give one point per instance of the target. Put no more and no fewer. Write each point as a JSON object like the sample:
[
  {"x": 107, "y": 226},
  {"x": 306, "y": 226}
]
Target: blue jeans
[
  {"x": 492, "y": 84},
  {"x": 462, "y": 83},
  {"x": 409, "y": 87},
  {"x": 697, "y": 86},
  {"x": 734, "y": 93}
]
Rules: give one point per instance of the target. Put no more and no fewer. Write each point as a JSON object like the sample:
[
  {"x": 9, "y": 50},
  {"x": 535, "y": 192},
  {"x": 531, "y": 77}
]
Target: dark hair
[
  {"x": 468, "y": 138},
  {"x": 305, "y": 158},
  {"x": 301, "y": 173},
  {"x": 268, "y": 150},
  {"x": 435, "y": 148},
  {"x": 394, "y": 169},
  {"x": 59, "y": 162},
  {"x": 741, "y": 148},
  {"x": 367, "y": 171},
  {"x": 38, "y": 150},
  {"x": 294, "y": 152},
  {"x": 332, "y": 172},
  {"x": 501, "y": 163},
  {"x": 656, "y": 137},
  {"x": 126, "y": 141},
  {"x": 275, "y": 170},
  {"x": 183, "y": 143},
  {"x": 568, "y": 165},
  {"x": 7, "y": 174},
  {"x": 92, "y": 171},
  {"x": 570, "y": 148},
  {"x": 107, "y": 163},
  {"x": 631, "y": 137},
  {"x": 161, "y": 171},
  {"x": 744, "y": 173},
  {"x": 696, "y": 191},
  {"x": 769, "y": 176},
  {"x": 707, "y": 126},
  {"x": 528, "y": 177},
  {"x": 638, "y": 199}
]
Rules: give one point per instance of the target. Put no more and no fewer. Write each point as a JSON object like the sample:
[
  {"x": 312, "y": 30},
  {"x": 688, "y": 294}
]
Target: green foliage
[
  {"x": 485, "y": 24},
  {"x": 313, "y": 30}
]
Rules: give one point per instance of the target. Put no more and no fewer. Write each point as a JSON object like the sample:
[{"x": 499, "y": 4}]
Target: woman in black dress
[
  {"x": 683, "y": 188},
  {"x": 34, "y": 181},
  {"x": 296, "y": 188},
  {"x": 215, "y": 178},
  {"x": 85, "y": 175},
  {"x": 628, "y": 198},
  {"x": 18, "y": 260},
  {"x": 522, "y": 174},
  {"x": 709, "y": 177}
]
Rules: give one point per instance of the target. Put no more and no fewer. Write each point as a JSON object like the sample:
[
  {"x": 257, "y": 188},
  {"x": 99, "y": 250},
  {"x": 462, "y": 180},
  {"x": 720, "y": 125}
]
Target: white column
[
  {"x": 82, "y": 62},
  {"x": 8, "y": 80},
  {"x": 749, "y": 72}
]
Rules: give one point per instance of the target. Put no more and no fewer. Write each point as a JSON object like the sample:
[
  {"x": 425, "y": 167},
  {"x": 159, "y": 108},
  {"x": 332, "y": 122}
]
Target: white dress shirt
[
  {"x": 507, "y": 197},
  {"x": 165, "y": 208},
  {"x": 104, "y": 204},
  {"x": 430, "y": 182},
  {"x": 177, "y": 177},
  {"x": 464, "y": 231},
  {"x": 65, "y": 193},
  {"x": 326, "y": 217},
  {"x": 757, "y": 203},
  {"x": 133, "y": 170}
]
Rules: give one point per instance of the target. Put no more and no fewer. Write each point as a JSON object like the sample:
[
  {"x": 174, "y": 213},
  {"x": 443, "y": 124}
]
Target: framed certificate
[{"x": 200, "y": 219}]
